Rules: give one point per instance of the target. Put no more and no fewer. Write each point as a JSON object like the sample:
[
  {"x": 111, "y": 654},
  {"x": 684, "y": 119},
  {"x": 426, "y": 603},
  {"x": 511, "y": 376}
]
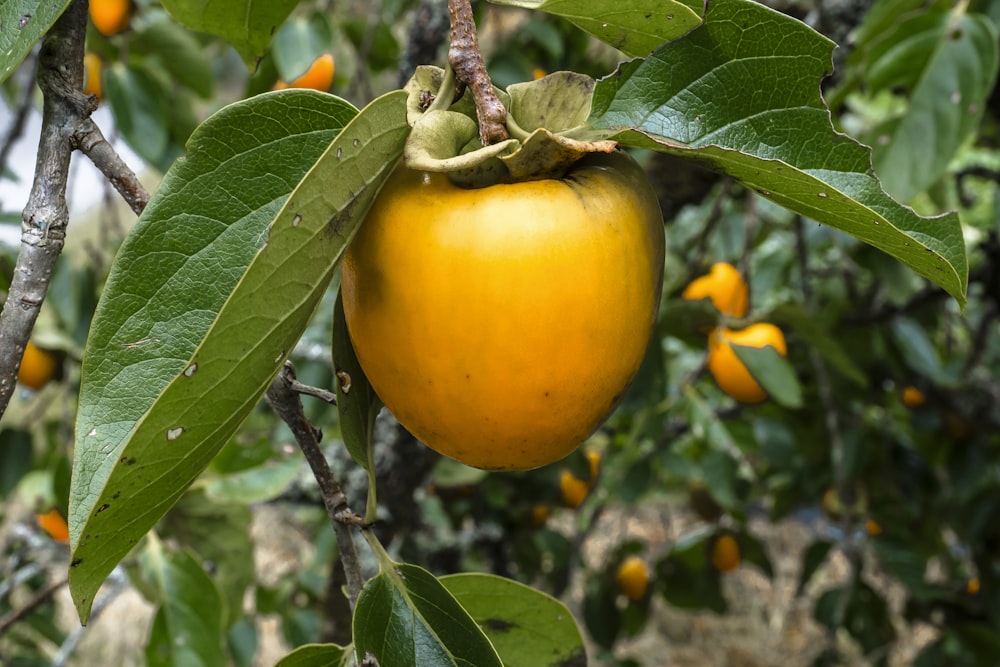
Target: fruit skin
[
  {"x": 92, "y": 75},
  {"x": 725, "y": 554},
  {"x": 53, "y": 523},
  {"x": 38, "y": 366},
  {"x": 913, "y": 397},
  {"x": 572, "y": 489},
  {"x": 725, "y": 286},
  {"x": 727, "y": 369},
  {"x": 319, "y": 76},
  {"x": 632, "y": 578},
  {"x": 502, "y": 325},
  {"x": 110, "y": 17}
]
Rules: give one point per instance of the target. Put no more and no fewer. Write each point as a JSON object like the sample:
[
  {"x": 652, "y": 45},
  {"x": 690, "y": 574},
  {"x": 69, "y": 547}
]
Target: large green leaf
[
  {"x": 195, "y": 322},
  {"x": 527, "y": 627},
  {"x": 635, "y": 27},
  {"x": 245, "y": 24},
  {"x": 357, "y": 402},
  {"x": 22, "y": 24},
  {"x": 405, "y": 618},
  {"x": 187, "y": 629},
  {"x": 317, "y": 655},
  {"x": 947, "y": 61},
  {"x": 741, "y": 92}
]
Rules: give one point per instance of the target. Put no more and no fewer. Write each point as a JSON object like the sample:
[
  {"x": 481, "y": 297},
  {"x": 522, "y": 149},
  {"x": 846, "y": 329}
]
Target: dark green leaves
[
  {"x": 751, "y": 107},
  {"x": 245, "y": 24},
  {"x": 405, "y": 617},
  {"x": 945, "y": 60},
  {"x": 22, "y": 23},
  {"x": 526, "y": 627},
  {"x": 208, "y": 298},
  {"x": 187, "y": 628},
  {"x": 357, "y": 403},
  {"x": 635, "y": 30}
]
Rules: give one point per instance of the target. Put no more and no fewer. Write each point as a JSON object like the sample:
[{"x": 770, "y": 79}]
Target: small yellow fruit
[
  {"x": 725, "y": 554},
  {"x": 633, "y": 578},
  {"x": 913, "y": 397},
  {"x": 973, "y": 586},
  {"x": 873, "y": 528},
  {"x": 594, "y": 463},
  {"x": 319, "y": 76},
  {"x": 92, "y": 75},
  {"x": 38, "y": 366},
  {"x": 573, "y": 489},
  {"x": 729, "y": 372},
  {"x": 53, "y": 523},
  {"x": 539, "y": 515},
  {"x": 538, "y": 73},
  {"x": 110, "y": 17},
  {"x": 725, "y": 286}
]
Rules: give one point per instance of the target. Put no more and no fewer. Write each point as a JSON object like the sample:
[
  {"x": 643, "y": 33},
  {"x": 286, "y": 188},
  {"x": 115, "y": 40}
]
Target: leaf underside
[
  {"x": 22, "y": 24},
  {"x": 191, "y": 328}
]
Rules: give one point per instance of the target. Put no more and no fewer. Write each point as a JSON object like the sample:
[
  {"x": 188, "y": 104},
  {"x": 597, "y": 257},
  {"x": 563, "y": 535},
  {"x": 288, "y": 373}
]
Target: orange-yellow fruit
[
  {"x": 725, "y": 286},
  {"x": 873, "y": 528},
  {"x": 725, "y": 554},
  {"x": 110, "y": 17},
  {"x": 913, "y": 397},
  {"x": 38, "y": 366},
  {"x": 501, "y": 325},
  {"x": 319, "y": 76},
  {"x": 632, "y": 578},
  {"x": 729, "y": 372},
  {"x": 92, "y": 75},
  {"x": 594, "y": 465},
  {"x": 972, "y": 587},
  {"x": 54, "y": 524},
  {"x": 538, "y": 73},
  {"x": 539, "y": 515},
  {"x": 573, "y": 489}
]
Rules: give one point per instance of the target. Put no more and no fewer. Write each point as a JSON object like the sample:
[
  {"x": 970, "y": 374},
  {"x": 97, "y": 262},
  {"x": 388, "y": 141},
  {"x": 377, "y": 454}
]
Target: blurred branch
[
  {"x": 424, "y": 37},
  {"x": 26, "y": 73},
  {"x": 36, "y": 601},
  {"x": 116, "y": 584},
  {"x": 287, "y": 405},
  {"x": 470, "y": 70}
]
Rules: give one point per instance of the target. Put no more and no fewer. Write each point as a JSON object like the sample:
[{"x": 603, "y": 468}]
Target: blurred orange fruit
[
  {"x": 53, "y": 523},
  {"x": 38, "y": 366},
  {"x": 110, "y": 17},
  {"x": 729, "y": 372},
  {"x": 725, "y": 553},
  {"x": 319, "y": 76},
  {"x": 632, "y": 578},
  {"x": 725, "y": 286}
]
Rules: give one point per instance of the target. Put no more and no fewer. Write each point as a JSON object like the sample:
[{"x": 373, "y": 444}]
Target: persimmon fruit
[
  {"x": 730, "y": 373},
  {"x": 502, "y": 325}
]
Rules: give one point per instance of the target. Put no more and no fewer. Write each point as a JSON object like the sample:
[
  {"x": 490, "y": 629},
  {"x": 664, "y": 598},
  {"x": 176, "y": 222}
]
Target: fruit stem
[{"x": 470, "y": 69}]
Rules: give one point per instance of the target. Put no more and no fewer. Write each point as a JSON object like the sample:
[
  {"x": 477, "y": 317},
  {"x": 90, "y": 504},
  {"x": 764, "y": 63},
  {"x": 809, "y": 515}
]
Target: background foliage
[{"x": 904, "y": 492}]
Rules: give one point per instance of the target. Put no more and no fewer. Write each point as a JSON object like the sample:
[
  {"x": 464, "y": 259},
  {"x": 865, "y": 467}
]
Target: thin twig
[
  {"x": 287, "y": 405},
  {"x": 44, "y": 220},
  {"x": 91, "y": 142},
  {"x": 467, "y": 61},
  {"x": 39, "y": 599},
  {"x": 316, "y": 392}
]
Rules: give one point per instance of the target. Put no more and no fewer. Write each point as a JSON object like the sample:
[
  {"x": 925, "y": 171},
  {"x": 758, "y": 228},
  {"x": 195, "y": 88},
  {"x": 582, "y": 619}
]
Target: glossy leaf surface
[{"x": 771, "y": 130}]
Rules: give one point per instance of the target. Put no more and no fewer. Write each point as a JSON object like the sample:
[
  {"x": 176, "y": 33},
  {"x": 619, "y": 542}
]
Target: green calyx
[{"x": 545, "y": 119}]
